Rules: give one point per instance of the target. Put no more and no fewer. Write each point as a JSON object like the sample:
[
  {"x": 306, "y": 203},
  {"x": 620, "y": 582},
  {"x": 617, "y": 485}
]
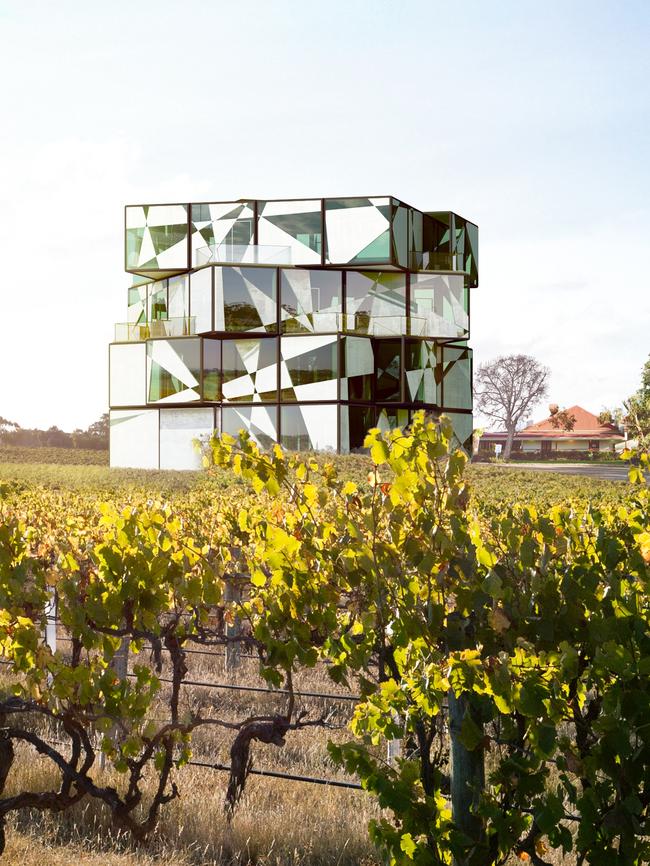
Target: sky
[{"x": 530, "y": 119}]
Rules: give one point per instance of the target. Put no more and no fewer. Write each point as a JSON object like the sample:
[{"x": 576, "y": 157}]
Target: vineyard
[{"x": 297, "y": 616}]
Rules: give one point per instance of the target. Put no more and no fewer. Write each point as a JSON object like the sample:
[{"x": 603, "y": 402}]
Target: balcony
[
  {"x": 135, "y": 332},
  {"x": 242, "y": 254}
]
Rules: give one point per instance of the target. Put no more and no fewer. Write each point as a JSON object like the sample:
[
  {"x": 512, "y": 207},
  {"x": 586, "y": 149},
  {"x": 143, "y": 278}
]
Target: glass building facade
[{"x": 305, "y": 322}]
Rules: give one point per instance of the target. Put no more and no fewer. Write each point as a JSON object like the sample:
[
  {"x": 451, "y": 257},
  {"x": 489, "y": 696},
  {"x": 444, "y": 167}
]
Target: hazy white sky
[{"x": 531, "y": 119}]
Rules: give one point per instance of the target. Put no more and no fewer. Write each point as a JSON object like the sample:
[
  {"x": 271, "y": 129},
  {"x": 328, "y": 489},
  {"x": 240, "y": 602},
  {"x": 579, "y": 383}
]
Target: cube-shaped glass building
[{"x": 305, "y": 322}]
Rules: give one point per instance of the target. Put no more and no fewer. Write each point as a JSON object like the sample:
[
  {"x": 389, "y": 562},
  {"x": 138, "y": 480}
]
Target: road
[{"x": 604, "y": 471}]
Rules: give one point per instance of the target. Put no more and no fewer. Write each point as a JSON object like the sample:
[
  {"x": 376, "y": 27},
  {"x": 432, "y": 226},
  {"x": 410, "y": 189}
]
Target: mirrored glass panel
[
  {"x": 358, "y": 374},
  {"x": 245, "y": 299},
  {"x": 388, "y": 370},
  {"x": 261, "y": 422},
  {"x": 400, "y": 219},
  {"x": 310, "y": 428},
  {"x": 178, "y": 430},
  {"x": 439, "y": 306},
  {"x": 423, "y": 372},
  {"x": 178, "y": 297},
  {"x": 355, "y": 423},
  {"x": 456, "y": 378},
  {"x": 221, "y": 231},
  {"x": 158, "y": 301},
  {"x": 389, "y": 419},
  {"x": 137, "y": 304},
  {"x": 296, "y": 225},
  {"x": 212, "y": 370},
  {"x": 311, "y": 300},
  {"x": 201, "y": 299},
  {"x": 358, "y": 230},
  {"x": 174, "y": 370},
  {"x": 156, "y": 237},
  {"x": 463, "y": 424},
  {"x": 250, "y": 371},
  {"x": 375, "y": 303},
  {"x": 309, "y": 368},
  {"x": 466, "y": 248}
]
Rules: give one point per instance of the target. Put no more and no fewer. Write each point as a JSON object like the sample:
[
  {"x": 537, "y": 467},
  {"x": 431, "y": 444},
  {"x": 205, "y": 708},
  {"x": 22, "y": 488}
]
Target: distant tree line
[{"x": 93, "y": 438}]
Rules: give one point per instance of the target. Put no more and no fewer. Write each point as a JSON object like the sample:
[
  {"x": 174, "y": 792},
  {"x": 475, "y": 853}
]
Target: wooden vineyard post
[
  {"x": 467, "y": 772},
  {"x": 120, "y": 664}
]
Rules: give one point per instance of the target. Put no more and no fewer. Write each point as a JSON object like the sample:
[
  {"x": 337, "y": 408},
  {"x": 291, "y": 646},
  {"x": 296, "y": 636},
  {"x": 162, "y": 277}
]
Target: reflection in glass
[
  {"x": 439, "y": 303},
  {"x": 375, "y": 302},
  {"x": 212, "y": 370},
  {"x": 310, "y": 428},
  {"x": 174, "y": 370},
  {"x": 297, "y": 225},
  {"x": 261, "y": 422},
  {"x": 388, "y": 370},
  {"x": 311, "y": 300},
  {"x": 389, "y": 419},
  {"x": 355, "y": 423},
  {"x": 246, "y": 299},
  {"x": 221, "y": 224},
  {"x": 358, "y": 375},
  {"x": 250, "y": 370},
  {"x": 201, "y": 299},
  {"x": 309, "y": 368},
  {"x": 357, "y": 230},
  {"x": 457, "y": 377},
  {"x": 156, "y": 237},
  {"x": 400, "y": 234},
  {"x": 423, "y": 372}
]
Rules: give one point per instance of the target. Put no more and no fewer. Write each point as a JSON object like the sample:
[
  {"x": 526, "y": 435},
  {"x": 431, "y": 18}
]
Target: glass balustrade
[
  {"x": 134, "y": 332},
  {"x": 242, "y": 254}
]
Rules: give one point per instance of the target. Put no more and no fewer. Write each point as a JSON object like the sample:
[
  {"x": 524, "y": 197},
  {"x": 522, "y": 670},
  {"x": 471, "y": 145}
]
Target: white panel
[
  {"x": 292, "y": 347},
  {"x": 280, "y": 208},
  {"x": 135, "y": 217},
  {"x": 349, "y": 230},
  {"x": 219, "y": 314},
  {"x": 327, "y": 390},
  {"x": 178, "y": 298},
  {"x": 345, "y": 429},
  {"x": 134, "y": 438},
  {"x": 201, "y": 299},
  {"x": 322, "y": 425},
  {"x": 178, "y": 429},
  {"x": 167, "y": 215},
  {"x": 128, "y": 375}
]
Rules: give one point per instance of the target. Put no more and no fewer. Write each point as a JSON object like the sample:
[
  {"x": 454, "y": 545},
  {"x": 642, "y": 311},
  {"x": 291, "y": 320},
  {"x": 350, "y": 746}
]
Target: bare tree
[{"x": 507, "y": 388}]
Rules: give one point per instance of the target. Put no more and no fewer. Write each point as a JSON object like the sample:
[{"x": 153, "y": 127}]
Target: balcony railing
[
  {"x": 242, "y": 254},
  {"x": 430, "y": 261},
  {"x": 134, "y": 332},
  {"x": 345, "y": 323}
]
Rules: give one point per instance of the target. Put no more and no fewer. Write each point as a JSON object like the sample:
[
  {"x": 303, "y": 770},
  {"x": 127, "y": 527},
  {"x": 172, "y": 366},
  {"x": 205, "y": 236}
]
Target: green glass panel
[
  {"x": 457, "y": 378},
  {"x": 388, "y": 369},
  {"x": 212, "y": 370},
  {"x": 134, "y": 239}
]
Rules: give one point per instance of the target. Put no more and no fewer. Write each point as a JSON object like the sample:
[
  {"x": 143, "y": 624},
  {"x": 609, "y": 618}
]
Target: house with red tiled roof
[{"x": 547, "y": 438}]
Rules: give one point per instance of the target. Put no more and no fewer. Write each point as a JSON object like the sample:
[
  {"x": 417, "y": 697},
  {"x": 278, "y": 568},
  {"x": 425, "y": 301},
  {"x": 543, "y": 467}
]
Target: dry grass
[{"x": 278, "y": 822}]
